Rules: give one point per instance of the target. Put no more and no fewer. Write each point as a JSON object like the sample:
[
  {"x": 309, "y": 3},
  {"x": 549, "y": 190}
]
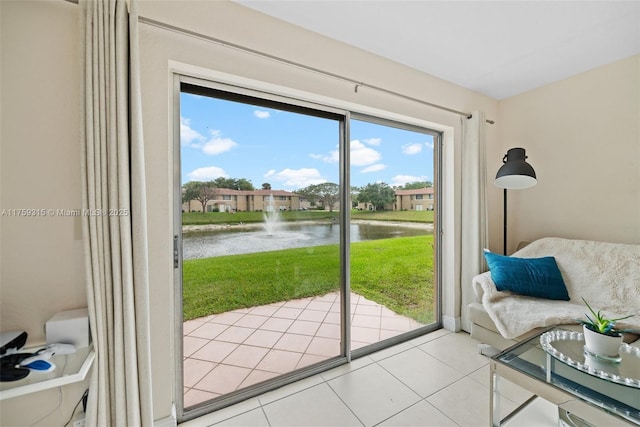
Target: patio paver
[{"x": 233, "y": 350}]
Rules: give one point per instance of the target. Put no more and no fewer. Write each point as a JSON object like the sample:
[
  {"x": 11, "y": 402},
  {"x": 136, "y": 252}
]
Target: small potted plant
[{"x": 600, "y": 335}]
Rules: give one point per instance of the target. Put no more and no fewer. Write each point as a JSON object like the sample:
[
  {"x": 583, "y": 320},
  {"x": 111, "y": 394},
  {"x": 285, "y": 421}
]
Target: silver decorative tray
[{"x": 568, "y": 347}]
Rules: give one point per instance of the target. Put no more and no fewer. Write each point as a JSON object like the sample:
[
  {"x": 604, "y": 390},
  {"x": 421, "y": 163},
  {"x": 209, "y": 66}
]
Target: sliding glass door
[{"x": 272, "y": 285}]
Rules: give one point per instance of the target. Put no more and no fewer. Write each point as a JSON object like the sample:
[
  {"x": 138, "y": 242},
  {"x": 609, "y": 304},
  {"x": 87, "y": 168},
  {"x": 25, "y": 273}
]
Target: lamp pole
[{"x": 504, "y": 225}]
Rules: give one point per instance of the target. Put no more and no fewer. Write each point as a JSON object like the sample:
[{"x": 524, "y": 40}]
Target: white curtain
[
  {"x": 474, "y": 207},
  {"x": 114, "y": 231}
]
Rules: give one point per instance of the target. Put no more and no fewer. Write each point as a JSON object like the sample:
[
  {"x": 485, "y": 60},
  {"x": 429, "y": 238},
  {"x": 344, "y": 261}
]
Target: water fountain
[
  {"x": 271, "y": 217},
  {"x": 285, "y": 235},
  {"x": 273, "y": 234}
]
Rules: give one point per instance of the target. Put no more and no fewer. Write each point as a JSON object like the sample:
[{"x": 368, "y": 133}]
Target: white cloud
[
  {"x": 372, "y": 141},
  {"x": 217, "y": 144},
  {"x": 405, "y": 179},
  {"x": 261, "y": 114},
  {"x": 187, "y": 134},
  {"x": 361, "y": 155},
  {"x": 296, "y": 178},
  {"x": 411, "y": 149},
  {"x": 207, "y": 174},
  {"x": 374, "y": 168},
  {"x": 429, "y": 145},
  {"x": 332, "y": 157}
]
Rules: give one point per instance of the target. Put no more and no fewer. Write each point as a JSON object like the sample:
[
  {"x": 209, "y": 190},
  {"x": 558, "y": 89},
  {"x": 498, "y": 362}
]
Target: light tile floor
[
  {"x": 233, "y": 350},
  {"x": 438, "y": 379}
]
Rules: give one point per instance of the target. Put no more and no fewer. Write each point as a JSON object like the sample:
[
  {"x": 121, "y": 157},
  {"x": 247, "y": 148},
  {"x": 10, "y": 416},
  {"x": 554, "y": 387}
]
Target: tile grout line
[
  {"x": 266, "y": 417},
  {"x": 322, "y": 380},
  {"x": 345, "y": 403},
  {"x": 246, "y": 312}
]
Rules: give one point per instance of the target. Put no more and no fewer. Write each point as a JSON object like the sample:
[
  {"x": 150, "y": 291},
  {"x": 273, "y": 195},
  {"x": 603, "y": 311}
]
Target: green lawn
[
  {"x": 199, "y": 218},
  {"x": 406, "y": 216},
  {"x": 397, "y": 273}
]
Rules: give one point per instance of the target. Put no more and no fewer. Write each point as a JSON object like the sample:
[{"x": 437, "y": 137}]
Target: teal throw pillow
[{"x": 534, "y": 277}]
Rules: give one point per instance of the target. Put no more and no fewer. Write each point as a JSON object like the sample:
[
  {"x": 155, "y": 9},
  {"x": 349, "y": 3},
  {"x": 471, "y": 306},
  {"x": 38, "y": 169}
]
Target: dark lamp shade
[{"x": 515, "y": 173}]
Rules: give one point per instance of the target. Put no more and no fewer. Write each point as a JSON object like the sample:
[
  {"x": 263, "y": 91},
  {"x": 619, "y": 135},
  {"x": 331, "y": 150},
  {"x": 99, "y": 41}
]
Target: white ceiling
[{"x": 498, "y": 48}]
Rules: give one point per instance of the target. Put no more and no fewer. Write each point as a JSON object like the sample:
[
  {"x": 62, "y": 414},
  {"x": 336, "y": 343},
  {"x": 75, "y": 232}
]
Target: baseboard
[
  {"x": 166, "y": 422},
  {"x": 487, "y": 350},
  {"x": 170, "y": 421},
  {"x": 451, "y": 323}
]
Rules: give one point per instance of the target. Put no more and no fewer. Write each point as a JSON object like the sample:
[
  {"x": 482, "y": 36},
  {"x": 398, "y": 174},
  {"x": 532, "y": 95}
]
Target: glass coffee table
[{"x": 588, "y": 390}]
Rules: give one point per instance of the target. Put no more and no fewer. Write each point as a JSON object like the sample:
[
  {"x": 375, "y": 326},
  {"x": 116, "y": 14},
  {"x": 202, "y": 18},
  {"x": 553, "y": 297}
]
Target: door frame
[{"x": 348, "y": 111}]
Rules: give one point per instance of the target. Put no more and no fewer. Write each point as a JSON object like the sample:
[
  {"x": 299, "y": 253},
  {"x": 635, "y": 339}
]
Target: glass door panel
[
  {"x": 260, "y": 241},
  {"x": 392, "y": 248}
]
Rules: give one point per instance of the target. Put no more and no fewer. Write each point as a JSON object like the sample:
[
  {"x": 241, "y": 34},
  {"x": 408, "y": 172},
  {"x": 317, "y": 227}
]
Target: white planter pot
[{"x": 603, "y": 345}]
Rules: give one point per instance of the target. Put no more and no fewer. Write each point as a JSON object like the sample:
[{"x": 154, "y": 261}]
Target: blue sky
[{"x": 292, "y": 150}]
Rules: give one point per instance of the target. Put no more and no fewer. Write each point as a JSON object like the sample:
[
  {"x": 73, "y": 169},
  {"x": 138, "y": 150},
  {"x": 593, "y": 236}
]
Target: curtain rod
[{"x": 357, "y": 84}]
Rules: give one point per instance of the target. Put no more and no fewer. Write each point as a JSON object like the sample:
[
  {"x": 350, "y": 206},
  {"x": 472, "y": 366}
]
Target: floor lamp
[{"x": 514, "y": 174}]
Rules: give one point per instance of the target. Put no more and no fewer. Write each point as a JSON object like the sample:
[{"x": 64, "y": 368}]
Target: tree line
[{"x": 326, "y": 194}]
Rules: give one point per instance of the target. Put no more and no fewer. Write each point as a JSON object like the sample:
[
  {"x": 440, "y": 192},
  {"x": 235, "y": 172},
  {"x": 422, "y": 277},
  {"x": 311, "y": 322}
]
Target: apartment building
[
  {"x": 228, "y": 200},
  {"x": 419, "y": 199}
]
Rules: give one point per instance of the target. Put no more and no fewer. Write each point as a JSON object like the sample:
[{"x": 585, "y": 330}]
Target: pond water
[{"x": 233, "y": 241}]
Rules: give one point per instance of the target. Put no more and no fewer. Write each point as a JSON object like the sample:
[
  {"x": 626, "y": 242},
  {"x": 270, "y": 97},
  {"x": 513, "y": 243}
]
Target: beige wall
[
  {"x": 582, "y": 136},
  {"x": 236, "y": 24},
  {"x": 41, "y": 258}
]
